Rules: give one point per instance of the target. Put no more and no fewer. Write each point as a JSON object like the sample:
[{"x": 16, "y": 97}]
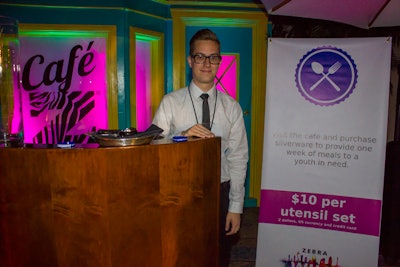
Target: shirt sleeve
[
  {"x": 173, "y": 114},
  {"x": 162, "y": 118},
  {"x": 237, "y": 157}
]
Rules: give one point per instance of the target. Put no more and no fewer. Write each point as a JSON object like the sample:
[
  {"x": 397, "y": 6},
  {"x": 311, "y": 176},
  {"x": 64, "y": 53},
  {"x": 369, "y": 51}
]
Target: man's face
[{"x": 204, "y": 73}]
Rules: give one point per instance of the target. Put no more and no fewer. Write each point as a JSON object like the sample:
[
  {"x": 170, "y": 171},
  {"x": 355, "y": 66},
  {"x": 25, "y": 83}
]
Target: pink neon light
[
  {"x": 227, "y": 70},
  {"x": 143, "y": 86}
]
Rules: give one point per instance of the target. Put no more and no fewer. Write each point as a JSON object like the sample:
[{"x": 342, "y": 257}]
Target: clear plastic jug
[{"x": 11, "y": 126}]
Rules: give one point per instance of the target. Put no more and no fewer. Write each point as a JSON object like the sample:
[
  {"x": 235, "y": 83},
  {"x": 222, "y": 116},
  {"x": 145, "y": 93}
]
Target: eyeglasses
[{"x": 200, "y": 59}]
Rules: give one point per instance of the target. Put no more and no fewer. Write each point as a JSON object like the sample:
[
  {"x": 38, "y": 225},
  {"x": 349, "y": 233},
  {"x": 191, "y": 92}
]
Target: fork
[{"x": 317, "y": 68}]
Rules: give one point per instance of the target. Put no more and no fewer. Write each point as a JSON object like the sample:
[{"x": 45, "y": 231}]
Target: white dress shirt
[{"x": 181, "y": 109}]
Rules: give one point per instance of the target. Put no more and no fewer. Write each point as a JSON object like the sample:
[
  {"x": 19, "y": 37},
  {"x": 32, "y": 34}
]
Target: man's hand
[
  {"x": 232, "y": 223},
  {"x": 198, "y": 130}
]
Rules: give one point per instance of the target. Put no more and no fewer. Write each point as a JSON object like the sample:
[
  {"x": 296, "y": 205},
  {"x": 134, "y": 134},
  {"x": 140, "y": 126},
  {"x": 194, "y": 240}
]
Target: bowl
[{"x": 107, "y": 141}]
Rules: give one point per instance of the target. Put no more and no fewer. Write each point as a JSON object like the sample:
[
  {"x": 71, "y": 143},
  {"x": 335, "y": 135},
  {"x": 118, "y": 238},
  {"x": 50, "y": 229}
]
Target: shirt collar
[{"x": 197, "y": 92}]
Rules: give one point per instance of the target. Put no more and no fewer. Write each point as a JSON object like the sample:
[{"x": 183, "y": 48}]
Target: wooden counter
[{"x": 153, "y": 205}]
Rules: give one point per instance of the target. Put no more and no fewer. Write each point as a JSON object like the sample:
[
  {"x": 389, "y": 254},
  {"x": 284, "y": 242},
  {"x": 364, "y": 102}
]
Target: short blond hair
[{"x": 204, "y": 34}]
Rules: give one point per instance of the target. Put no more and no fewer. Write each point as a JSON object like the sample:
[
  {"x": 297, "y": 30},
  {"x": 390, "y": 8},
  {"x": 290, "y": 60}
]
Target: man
[{"x": 180, "y": 113}]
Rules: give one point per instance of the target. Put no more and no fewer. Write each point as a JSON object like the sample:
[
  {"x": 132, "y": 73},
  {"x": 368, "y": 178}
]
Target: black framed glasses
[{"x": 200, "y": 59}]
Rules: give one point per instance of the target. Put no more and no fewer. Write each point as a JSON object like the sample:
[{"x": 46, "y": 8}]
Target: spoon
[{"x": 319, "y": 69}]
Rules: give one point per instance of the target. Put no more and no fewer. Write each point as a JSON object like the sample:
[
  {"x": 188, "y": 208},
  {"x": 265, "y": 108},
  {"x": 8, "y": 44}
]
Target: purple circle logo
[{"x": 326, "y": 76}]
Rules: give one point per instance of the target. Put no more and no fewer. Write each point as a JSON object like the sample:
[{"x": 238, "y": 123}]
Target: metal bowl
[{"x": 107, "y": 141}]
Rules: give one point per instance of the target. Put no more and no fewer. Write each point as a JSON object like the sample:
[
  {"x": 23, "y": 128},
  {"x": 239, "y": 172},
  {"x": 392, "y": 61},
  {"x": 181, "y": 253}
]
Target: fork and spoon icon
[{"x": 319, "y": 69}]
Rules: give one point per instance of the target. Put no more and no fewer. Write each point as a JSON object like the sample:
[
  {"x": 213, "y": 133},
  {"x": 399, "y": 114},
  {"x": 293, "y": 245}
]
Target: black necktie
[{"x": 206, "y": 111}]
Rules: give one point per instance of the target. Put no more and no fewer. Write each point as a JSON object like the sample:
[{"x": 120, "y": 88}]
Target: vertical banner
[{"x": 324, "y": 152}]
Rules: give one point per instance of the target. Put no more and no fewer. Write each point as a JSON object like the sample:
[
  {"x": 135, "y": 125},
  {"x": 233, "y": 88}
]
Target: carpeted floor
[{"x": 244, "y": 251}]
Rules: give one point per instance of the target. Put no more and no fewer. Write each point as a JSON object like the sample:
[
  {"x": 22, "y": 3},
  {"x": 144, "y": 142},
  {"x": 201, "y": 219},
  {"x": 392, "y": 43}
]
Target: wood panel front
[{"x": 153, "y": 205}]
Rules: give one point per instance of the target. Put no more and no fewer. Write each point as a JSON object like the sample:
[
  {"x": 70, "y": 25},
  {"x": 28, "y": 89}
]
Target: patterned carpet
[{"x": 244, "y": 251}]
